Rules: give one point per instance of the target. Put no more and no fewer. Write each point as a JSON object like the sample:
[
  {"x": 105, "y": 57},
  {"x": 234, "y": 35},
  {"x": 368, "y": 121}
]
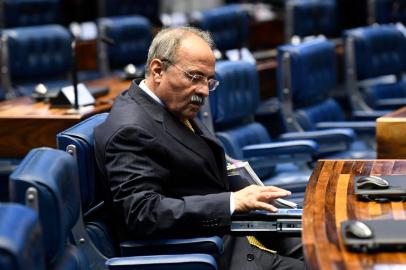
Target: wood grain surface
[
  {"x": 391, "y": 135},
  {"x": 329, "y": 200},
  {"x": 26, "y": 124}
]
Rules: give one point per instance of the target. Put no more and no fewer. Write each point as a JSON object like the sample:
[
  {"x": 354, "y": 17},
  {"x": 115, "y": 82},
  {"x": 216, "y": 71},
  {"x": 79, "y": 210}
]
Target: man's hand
[{"x": 258, "y": 198}]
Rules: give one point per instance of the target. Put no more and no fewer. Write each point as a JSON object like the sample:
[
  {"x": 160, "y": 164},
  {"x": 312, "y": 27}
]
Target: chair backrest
[
  {"x": 17, "y": 13},
  {"x": 228, "y": 24},
  {"x": 306, "y": 76},
  {"x": 309, "y": 18},
  {"x": 146, "y": 8},
  {"x": 20, "y": 238},
  {"x": 372, "y": 52},
  {"x": 237, "y": 96},
  {"x": 377, "y": 51},
  {"x": 386, "y": 11},
  {"x": 35, "y": 54},
  {"x": 132, "y": 37},
  {"x": 233, "y": 106},
  {"x": 47, "y": 180},
  {"x": 79, "y": 140}
]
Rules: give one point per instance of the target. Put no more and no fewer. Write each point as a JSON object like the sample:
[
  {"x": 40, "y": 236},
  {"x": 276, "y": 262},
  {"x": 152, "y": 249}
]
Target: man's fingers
[
  {"x": 265, "y": 206},
  {"x": 269, "y": 196},
  {"x": 273, "y": 189}
]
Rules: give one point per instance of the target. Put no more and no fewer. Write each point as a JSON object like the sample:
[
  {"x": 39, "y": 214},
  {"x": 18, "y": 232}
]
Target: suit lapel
[
  {"x": 176, "y": 129},
  {"x": 216, "y": 147}
]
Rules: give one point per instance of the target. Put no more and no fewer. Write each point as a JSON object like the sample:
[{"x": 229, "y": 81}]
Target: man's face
[{"x": 182, "y": 94}]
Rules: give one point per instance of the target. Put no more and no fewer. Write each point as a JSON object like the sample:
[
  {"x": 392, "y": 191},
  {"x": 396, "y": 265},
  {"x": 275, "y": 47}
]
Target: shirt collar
[{"x": 145, "y": 88}]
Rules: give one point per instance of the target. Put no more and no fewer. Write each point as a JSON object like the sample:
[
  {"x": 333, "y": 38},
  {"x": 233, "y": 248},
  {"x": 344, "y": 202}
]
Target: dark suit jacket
[{"x": 164, "y": 180}]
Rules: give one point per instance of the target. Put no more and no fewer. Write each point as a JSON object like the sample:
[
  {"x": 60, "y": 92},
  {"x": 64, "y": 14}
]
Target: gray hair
[{"x": 166, "y": 43}]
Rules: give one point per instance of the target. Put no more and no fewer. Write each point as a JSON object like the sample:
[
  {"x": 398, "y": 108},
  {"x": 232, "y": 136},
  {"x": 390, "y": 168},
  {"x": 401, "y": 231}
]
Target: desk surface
[
  {"x": 391, "y": 135},
  {"x": 26, "y": 124},
  {"x": 329, "y": 200}
]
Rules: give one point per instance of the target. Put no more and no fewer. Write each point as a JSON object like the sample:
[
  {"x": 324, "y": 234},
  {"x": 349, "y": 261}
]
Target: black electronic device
[
  {"x": 285, "y": 221},
  {"x": 381, "y": 188},
  {"x": 374, "y": 235}
]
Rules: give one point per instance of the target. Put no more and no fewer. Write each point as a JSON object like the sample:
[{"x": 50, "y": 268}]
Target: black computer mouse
[
  {"x": 359, "y": 230},
  {"x": 372, "y": 182}
]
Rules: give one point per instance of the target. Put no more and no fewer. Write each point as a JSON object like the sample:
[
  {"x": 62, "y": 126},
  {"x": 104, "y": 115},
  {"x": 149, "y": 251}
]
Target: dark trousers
[{"x": 240, "y": 255}]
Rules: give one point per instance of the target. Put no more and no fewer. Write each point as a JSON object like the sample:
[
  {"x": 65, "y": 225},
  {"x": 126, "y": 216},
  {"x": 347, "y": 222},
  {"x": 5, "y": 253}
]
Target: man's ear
[{"x": 156, "y": 70}]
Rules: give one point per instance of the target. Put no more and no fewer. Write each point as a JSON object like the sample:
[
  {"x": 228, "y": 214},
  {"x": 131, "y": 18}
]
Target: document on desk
[{"x": 245, "y": 171}]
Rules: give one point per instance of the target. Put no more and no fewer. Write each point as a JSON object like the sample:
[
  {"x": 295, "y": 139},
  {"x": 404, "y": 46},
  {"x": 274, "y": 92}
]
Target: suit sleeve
[{"x": 137, "y": 168}]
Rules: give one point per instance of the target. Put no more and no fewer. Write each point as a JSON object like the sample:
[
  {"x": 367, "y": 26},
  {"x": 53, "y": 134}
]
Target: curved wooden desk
[
  {"x": 26, "y": 124},
  {"x": 329, "y": 200}
]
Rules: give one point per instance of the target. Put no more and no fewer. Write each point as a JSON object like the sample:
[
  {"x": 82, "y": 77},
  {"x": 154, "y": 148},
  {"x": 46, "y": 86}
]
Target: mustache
[{"x": 196, "y": 99}]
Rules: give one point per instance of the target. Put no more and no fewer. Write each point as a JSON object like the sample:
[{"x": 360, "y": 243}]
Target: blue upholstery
[
  {"x": 379, "y": 50},
  {"x": 81, "y": 137},
  {"x": 228, "y": 25},
  {"x": 146, "y": 8},
  {"x": 20, "y": 238},
  {"x": 53, "y": 174},
  {"x": 306, "y": 78},
  {"x": 30, "y": 12},
  {"x": 311, "y": 71},
  {"x": 373, "y": 52},
  {"x": 233, "y": 105},
  {"x": 37, "y": 54},
  {"x": 132, "y": 37},
  {"x": 310, "y": 17},
  {"x": 388, "y": 11}
]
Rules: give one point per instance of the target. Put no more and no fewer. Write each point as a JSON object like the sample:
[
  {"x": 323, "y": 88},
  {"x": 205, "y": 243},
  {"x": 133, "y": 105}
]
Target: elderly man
[{"x": 165, "y": 172}]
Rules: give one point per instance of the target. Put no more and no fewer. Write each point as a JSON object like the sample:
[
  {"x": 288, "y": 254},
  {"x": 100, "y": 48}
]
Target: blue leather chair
[
  {"x": 228, "y": 25},
  {"x": 33, "y": 55},
  {"x": 47, "y": 179},
  {"x": 132, "y": 37},
  {"x": 233, "y": 106},
  {"x": 375, "y": 62},
  {"x": 16, "y": 13},
  {"x": 20, "y": 238},
  {"x": 386, "y": 11},
  {"x": 145, "y": 8},
  {"x": 306, "y": 78},
  {"x": 310, "y": 18},
  {"x": 79, "y": 141}
]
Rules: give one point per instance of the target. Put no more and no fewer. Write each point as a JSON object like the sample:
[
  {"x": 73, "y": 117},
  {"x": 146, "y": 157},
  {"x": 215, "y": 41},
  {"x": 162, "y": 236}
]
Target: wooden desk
[
  {"x": 391, "y": 135},
  {"x": 329, "y": 200},
  {"x": 25, "y": 124}
]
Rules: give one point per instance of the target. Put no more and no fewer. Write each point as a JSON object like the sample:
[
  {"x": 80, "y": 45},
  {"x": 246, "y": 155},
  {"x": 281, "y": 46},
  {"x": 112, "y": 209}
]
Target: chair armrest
[
  {"x": 391, "y": 103},
  {"x": 168, "y": 262},
  {"x": 307, "y": 147},
  {"x": 208, "y": 245},
  {"x": 366, "y": 127},
  {"x": 368, "y": 115},
  {"x": 332, "y": 140}
]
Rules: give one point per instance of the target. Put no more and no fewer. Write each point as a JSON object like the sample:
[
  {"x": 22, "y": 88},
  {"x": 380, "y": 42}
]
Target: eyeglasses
[{"x": 196, "y": 78}]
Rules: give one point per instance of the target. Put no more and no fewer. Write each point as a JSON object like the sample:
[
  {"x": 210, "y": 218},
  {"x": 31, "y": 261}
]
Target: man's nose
[{"x": 203, "y": 90}]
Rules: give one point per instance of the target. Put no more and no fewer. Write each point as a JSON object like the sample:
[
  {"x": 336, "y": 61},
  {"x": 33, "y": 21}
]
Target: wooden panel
[
  {"x": 330, "y": 200},
  {"x": 25, "y": 124},
  {"x": 391, "y": 135}
]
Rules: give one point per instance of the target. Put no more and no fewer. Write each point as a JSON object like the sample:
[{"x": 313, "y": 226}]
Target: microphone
[{"x": 107, "y": 39}]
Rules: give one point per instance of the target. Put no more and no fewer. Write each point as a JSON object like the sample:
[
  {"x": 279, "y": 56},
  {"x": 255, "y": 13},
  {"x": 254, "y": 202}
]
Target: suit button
[{"x": 250, "y": 257}]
